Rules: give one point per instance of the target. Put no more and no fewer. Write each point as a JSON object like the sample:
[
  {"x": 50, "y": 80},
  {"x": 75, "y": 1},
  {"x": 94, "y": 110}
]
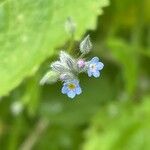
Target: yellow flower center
[{"x": 71, "y": 86}]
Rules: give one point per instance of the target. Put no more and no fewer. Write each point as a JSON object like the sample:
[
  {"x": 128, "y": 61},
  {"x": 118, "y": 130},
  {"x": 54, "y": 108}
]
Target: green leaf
[
  {"x": 120, "y": 126},
  {"x": 30, "y": 30},
  {"x": 127, "y": 57}
]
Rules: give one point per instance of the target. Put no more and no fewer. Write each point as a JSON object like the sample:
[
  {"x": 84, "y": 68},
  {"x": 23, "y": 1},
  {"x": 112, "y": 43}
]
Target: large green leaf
[{"x": 30, "y": 30}]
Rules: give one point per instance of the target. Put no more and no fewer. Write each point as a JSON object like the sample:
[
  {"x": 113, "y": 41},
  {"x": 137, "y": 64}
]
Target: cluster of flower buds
[{"x": 67, "y": 69}]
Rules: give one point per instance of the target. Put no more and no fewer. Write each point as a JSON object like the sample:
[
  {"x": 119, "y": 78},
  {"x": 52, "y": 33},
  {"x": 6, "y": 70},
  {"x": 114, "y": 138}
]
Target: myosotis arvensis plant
[{"x": 67, "y": 69}]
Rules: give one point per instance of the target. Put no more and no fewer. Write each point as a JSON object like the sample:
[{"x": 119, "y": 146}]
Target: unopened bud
[
  {"x": 70, "y": 26},
  {"x": 50, "y": 77},
  {"x": 59, "y": 67},
  {"x": 67, "y": 60},
  {"x": 67, "y": 76},
  {"x": 81, "y": 63},
  {"x": 86, "y": 45}
]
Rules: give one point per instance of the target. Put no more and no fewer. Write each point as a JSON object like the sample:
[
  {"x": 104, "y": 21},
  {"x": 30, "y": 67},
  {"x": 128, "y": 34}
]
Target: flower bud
[
  {"x": 67, "y": 60},
  {"x": 59, "y": 67},
  {"x": 81, "y": 63},
  {"x": 86, "y": 45},
  {"x": 70, "y": 26},
  {"x": 67, "y": 76},
  {"x": 50, "y": 77}
]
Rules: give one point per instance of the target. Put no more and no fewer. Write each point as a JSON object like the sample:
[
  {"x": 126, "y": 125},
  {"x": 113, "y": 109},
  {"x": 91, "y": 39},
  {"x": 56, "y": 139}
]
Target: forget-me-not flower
[
  {"x": 67, "y": 68},
  {"x": 71, "y": 88},
  {"x": 94, "y": 67}
]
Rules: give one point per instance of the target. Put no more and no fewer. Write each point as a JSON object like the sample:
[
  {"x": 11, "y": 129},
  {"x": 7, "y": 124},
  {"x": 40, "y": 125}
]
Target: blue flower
[
  {"x": 71, "y": 88},
  {"x": 94, "y": 67}
]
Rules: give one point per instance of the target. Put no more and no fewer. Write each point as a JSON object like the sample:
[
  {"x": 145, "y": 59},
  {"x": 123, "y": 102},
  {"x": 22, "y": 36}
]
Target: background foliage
[{"x": 113, "y": 111}]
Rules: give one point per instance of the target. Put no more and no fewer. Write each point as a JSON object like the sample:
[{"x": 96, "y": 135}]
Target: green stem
[{"x": 71, "y": 44}]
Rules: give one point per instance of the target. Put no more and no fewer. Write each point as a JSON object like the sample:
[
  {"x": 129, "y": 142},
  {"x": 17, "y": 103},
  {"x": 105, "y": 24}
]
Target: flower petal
[
  {"x": 71, "y": 94},
  {"x": 95, "y": 59},
  {"x": 96, "y": 74},
  {"x": 75, "y": 81},
  {"x": 78, "y": 90},
  {"x": 89, "y": 73},
  {"x": 64, "y": 89},
  {"x": 100, "y": 65}
]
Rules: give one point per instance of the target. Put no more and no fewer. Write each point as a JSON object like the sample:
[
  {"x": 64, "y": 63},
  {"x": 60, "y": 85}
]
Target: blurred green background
[{"x": 112, "y": 113}]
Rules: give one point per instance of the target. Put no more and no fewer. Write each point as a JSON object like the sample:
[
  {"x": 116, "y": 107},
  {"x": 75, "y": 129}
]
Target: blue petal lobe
[
  {"x": 96, "y": 74},
  {"x": 64, "y": 89},
  {"x": 95, "y": 59},
  {"x": 71, "y": 94},
  {"x": 76, "y": 82},
  {"x": 78, "y": 90},
  {"x": 89, "y": 73},
  {"x": 100, "y": 65}
]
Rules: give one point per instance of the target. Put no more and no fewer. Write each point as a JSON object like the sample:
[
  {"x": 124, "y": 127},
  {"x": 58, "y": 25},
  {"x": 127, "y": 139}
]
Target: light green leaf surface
[{"x": 30, "y": 30}]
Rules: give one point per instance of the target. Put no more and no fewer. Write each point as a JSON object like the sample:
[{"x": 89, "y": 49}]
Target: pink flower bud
[{"x": 81, "y": 63}]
